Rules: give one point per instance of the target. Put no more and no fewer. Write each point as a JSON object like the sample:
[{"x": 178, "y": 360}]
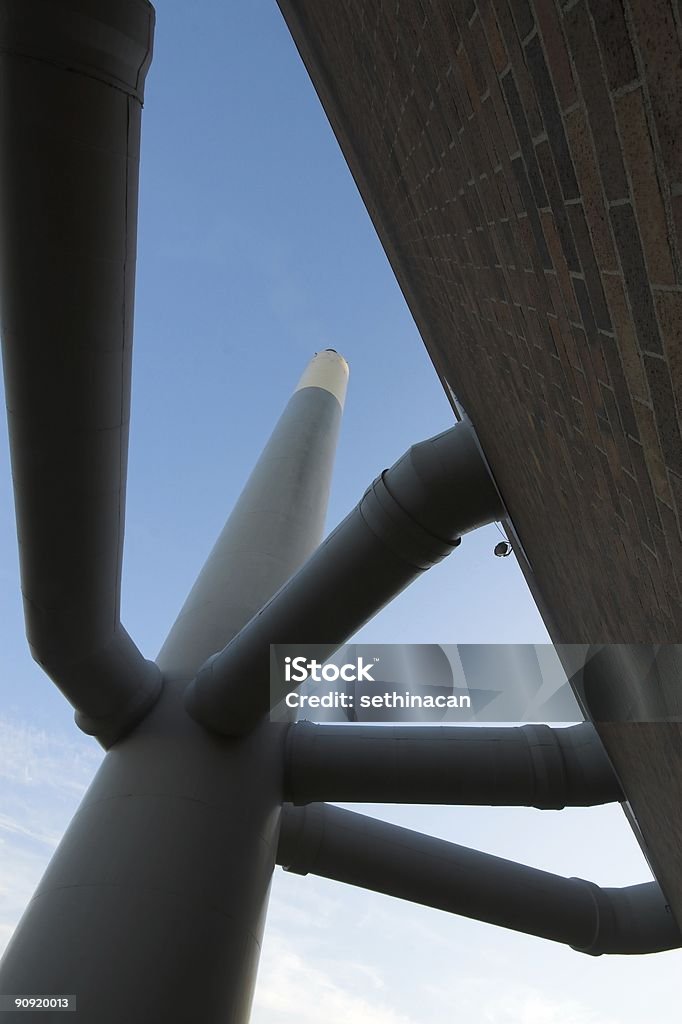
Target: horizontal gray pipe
[
  {"x": 352, "y": 848},
  {"x": 527, "y": 766},
  {"x": 71, "y": 79},
  {"x": 411, "y": 517}
]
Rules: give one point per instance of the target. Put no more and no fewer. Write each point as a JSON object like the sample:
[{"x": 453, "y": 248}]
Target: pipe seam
[
  {"x": 399, "y": 531},
  {"x": 533, "y": 766},
  {"x": 358, "y": 850}
]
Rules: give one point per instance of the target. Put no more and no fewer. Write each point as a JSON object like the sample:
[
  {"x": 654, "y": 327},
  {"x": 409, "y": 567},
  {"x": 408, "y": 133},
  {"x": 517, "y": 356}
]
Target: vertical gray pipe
[
  {"x": 153, "y": 906},
  {"x": 71, "y": 81},
  {"x": 275, "y": 525}
]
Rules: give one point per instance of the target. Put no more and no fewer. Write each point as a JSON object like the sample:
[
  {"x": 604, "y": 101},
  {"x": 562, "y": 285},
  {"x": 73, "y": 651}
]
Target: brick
[
  {"x": 635, "y": 277},
  {"x": 626, "y": 337},
  {"x": 654, "y": 569},
  {"x": 556, "y": 203},
  {"x": 648, "y": 202},
  {"x": 652, "y": 452},
  {"x": 470, "y": 84},
  {"x": 659, "y": 46},
  {"x": 551, "y": 116},
  {"x": 613, "y": 417},
  {"x": 571, "y": 348},
  {"x": 523, "y": 135},
  {"x": 553, "y": 286},
  {"x": 628, "y": 512},
  {"x": 568, "y": 294},
  {"x": 675, "y": 481},
  {"x": 619, "y": 385},
  {"x": 674, "y": 536},
  {"x": 518, "y": 63},
  {"x": 523, "y": 16},
  {"x": 433, "y": 45},
  {"x": 670, "y": 567},
  {"x": 676, "y": 203},
  {"x": 498, "y": 50},
  {"x": 460, "y": 94},
  {"x": 607, "y": 476},
  {"x": 669, "y": 307},
  {"x": 591, "y": 425},
  {"x": 557, "y": 56},
  {"x": 590, "y": 184},
  {"x": 593, "y": 364},
  {"x": 531, "y": 210},
  {"x": 664, "y": 411},
  {"x": 506, "y": 141},
  {"x": 597, "y": 102},
  {"x": 589, "y": 266},
  {"x": 506, "y": 243},
  {"x": 612, "y": 33},
  {"x": 477, "y": 50},
  {"x": 644, "y": 530},
  {"x": 583, "y": 300}
]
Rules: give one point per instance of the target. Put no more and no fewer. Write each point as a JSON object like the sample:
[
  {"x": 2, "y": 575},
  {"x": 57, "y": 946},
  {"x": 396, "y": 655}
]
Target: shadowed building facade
[
  {"x": 522, "y": 165},
  {"x": 520, "y": 168}
]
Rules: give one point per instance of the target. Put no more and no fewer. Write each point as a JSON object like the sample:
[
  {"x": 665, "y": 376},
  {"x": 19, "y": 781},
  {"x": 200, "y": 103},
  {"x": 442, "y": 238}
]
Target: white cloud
[
  {"x": 46, "y": 836},
  {"x": 294, "y": 990},
  {"x": 530, "y": 1006},
  {"x": 29, "y": 756},
  {"x": 42, "y": 778}
]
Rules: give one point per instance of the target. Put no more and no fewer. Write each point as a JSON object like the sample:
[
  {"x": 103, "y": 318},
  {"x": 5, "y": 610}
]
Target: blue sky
[{"x": 255, "y": 251}]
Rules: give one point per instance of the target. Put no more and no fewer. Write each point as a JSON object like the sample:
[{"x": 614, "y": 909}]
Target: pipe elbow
[
  {"x": 444, "y": 484},
  {"x": 111, "y": 687},
  {"x": 66, "y": 35},
  {"x": 630, "y": 921}
]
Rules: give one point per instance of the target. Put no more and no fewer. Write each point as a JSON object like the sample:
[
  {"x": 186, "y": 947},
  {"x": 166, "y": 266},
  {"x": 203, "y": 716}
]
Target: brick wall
[{"x": 522, "y": 163}]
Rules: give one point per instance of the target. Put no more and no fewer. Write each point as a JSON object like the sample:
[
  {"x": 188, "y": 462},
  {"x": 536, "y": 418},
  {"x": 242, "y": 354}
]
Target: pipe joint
[
  {"x": 384, "y": 858},
  {"x": 109, "y": 41},
  {"x": 401, "y": 534}
]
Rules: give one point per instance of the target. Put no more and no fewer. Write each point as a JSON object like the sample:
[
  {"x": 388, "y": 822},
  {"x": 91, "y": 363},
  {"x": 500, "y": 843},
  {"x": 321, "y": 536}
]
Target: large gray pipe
[
  {"x": 153, "y": 906},
  {"x": 411, "y": 517},
  {"x": 358, "y": 850},
  {"x": 275, "y": 525},
  {"x": 528, "y": 766},
  {"x": 71, "y": 82}
]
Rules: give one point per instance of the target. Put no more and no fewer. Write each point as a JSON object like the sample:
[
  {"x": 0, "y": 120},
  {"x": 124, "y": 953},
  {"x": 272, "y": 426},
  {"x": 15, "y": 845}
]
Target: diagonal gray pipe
[
  {"x": 348, "y": 847},
  {"x": 71, "y": 82},
  {"x": 411, "y": 517},
  {"x": 527, "y": 766}
]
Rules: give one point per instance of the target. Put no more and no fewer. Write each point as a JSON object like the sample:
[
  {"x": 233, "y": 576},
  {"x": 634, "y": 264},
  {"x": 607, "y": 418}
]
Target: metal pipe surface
[
  {"x": 71, "y": 83},
  {"x": 276, "y": 524},
  {"x": 348, "y": 847},
  {"x": 153, "y": 906},
  {"x": 410, "y": 518},
  {"x": 527, "y": 766}
]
